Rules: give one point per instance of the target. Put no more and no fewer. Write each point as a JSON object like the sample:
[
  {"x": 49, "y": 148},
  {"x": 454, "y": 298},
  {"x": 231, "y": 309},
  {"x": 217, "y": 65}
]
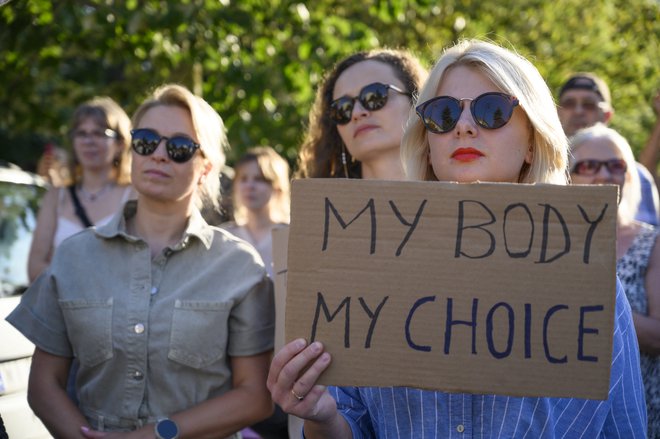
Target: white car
[{"x": 20, "y": 195}]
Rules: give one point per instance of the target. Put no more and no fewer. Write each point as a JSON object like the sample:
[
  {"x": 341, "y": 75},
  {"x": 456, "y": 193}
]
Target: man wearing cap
[{"x": 585, "y": 100}]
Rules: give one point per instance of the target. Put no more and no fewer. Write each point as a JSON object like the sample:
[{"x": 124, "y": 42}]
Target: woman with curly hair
[{"x": 357, "y": 120}]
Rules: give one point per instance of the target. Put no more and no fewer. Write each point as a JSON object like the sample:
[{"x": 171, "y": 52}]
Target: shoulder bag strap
[{"x": 80, "y": 210}]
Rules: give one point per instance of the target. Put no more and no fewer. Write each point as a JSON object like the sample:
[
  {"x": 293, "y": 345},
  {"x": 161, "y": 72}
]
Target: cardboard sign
[
  {"x": 480, "y": 288},
  {"x": 280, "y": 235}
]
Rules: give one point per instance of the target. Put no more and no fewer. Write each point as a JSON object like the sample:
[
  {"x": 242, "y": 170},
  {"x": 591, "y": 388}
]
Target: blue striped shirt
[{"x": 402, "y": 412}]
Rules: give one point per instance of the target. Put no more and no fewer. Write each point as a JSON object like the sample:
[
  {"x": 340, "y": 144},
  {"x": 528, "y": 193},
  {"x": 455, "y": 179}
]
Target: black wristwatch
[{"x": 166, "y": 429}]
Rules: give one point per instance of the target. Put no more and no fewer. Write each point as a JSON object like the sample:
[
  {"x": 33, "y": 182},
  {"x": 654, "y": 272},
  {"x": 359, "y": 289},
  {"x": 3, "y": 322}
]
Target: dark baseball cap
[{"x": 587, "y": 81}]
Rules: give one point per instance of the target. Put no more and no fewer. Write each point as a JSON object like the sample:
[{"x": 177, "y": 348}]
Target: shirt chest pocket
[
  {"x": 199, "y": 332},
  {"x": 89, "y": 326}
]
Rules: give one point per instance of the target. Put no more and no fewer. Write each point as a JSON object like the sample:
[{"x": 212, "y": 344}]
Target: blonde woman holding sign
[{"x": 485, "y": 114}]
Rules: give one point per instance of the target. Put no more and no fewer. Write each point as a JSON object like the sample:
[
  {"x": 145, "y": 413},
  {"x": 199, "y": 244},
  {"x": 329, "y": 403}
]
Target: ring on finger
[{"x": 295, "y": 395}]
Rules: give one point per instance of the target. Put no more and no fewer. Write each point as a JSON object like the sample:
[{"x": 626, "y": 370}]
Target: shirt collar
[{"x": 197, "y": 227}]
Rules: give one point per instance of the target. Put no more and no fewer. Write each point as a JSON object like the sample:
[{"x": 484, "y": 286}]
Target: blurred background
[{"x": 258, "y": 61}]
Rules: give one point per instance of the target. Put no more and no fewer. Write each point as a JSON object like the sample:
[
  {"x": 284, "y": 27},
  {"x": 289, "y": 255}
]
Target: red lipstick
[{"x": 466, "y": 154}]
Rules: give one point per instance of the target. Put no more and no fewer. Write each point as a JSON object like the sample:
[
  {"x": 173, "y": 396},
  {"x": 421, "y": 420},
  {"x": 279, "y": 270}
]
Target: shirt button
[
  {"x": 139, "y": 328},
  {"x": 137, "y": 375},
  {"x": 460, "y": 428},
  {"x": 154, "y": 290}
]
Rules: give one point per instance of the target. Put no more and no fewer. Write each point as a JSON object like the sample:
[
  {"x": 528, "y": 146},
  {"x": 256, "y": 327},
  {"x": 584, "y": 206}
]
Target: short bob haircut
[
  {"x": 108, "y": 114},
  {"x": 209, "y": 130},
  {"x": 513, "y": 75},
  {"x": 275, "y": 171},
  {"x": 320, "y": 152},
  {"x": 631, "y": 194}
]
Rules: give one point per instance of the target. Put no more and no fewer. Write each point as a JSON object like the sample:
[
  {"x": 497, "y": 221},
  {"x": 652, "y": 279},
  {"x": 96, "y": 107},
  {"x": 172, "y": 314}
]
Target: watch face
[{"x": 167, "y": 429}]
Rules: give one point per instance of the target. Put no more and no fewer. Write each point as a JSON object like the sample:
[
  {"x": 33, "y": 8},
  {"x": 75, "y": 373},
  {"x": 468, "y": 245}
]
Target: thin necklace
[{"x": 93, "y": 196}]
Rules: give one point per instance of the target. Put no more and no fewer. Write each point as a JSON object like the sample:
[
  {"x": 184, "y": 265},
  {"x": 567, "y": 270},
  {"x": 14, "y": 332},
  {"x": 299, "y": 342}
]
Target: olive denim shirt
[{"x": 153, "y": 336}]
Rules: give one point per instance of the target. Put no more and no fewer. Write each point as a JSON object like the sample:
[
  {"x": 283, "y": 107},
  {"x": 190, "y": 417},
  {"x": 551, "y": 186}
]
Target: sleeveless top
[
  {"x": 66, "y": 227},
  {"x": 631, "y": 269}
]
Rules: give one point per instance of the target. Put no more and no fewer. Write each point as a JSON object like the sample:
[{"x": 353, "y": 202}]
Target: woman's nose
[
  {"x": 161, "y": 150},
  {"x": 603, "y": 175},
  {"x": 358, "y": 110},
  {"x": 465, "y": 124}
]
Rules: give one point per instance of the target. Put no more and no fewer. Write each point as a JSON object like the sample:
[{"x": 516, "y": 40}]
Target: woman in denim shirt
[
  {"x": 168, "y": 316},
  {"x": 484, "y": 114}
]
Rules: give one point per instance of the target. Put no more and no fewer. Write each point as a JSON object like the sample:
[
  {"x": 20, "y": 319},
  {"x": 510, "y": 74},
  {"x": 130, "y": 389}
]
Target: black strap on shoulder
[
  {"x": 3, "y": 432},
  {"x": 80, "y": 210}
]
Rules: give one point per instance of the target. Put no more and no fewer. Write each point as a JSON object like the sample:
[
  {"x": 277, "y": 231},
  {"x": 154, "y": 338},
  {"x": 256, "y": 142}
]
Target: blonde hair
[
  {"x": 107, "y": 113},
  {"x": 209, "y": 130},
  {"x": 513, "y": 75},
  {"x": 275, "y": 171},
  {"x": 631, "y": 194}
]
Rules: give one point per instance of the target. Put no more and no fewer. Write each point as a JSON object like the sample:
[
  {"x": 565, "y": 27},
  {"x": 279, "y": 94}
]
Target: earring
[{"x": 343, "y": 159}]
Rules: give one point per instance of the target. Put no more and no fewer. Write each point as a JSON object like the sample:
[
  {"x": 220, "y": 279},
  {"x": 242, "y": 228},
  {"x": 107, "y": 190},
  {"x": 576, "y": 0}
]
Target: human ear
[
  {"x": 529, "y": 155},
  {"x": 206, "y": 168}
]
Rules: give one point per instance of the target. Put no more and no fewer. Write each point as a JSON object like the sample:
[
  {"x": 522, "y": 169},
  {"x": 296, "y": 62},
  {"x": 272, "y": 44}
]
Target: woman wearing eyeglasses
[
  {"x": 485, "y": 114},
  {"x": 100, "y": 179},
  {"x": 357, "y": 120},
  {"x": 602, "y": 156},
  {"x": 170, "y": 318}
]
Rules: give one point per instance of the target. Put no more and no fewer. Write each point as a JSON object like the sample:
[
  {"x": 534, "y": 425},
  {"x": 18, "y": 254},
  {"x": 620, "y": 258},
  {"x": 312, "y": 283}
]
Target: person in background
[
  {"x": 171, "y": 319},
  {"x": 356, "y": 121},
  {"x": 53, "y": 165},
  {"x": 600, "y": 155},
  {"x": 99, "y": 184},
  {"x": 261, "y": 196},
  {"x": 584, "y": 100},
  {"x": 485, "y": 114},
  {"x": 261, "y": 201}
]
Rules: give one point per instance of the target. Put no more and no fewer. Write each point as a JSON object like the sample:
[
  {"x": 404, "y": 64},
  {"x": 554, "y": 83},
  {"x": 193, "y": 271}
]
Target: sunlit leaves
[{"x": 259, "y": 62}]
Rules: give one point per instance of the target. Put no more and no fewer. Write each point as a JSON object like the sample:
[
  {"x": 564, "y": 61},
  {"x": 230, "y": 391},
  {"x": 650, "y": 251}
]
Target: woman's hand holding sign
[{"x": 292, "y": 379}]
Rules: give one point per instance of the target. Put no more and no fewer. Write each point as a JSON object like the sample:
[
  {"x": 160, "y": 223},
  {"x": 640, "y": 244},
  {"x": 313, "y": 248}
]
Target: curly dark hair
[{"x": 320, "y": 152}]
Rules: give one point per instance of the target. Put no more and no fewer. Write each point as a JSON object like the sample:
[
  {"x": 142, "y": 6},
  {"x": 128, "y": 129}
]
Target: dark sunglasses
[
  {"x": 490, "y": 110},
  {"x": 592, "y": 167},
  {"x": 180, "y": 148},
  {"x": 372, "y": 97}
]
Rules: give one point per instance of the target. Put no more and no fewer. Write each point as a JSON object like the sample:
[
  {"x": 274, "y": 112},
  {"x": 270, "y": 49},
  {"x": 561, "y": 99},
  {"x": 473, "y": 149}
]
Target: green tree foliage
[{"x": 259, "y": 62}]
